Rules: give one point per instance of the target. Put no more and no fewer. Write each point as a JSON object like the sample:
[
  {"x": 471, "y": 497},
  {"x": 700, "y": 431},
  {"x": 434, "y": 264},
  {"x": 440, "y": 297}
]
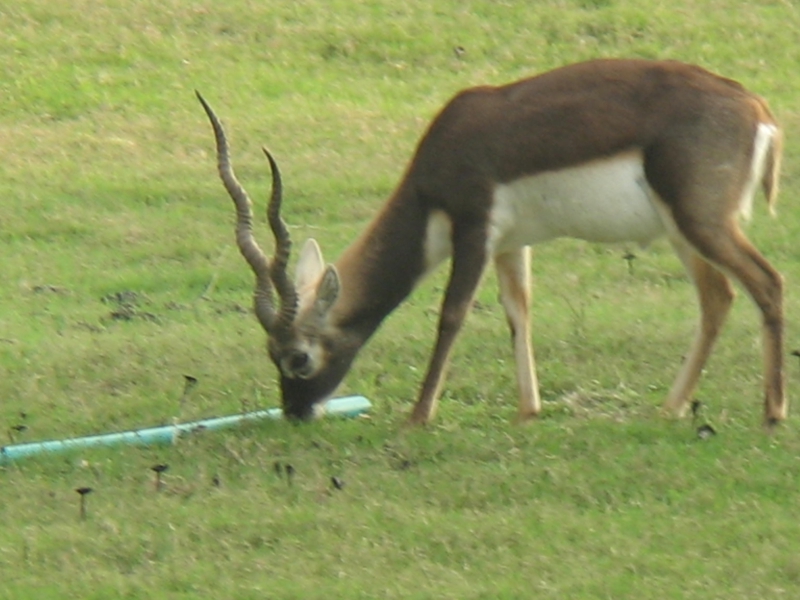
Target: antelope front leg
[
  {"x": 469, "y": 259},
  {"x": 514, "y": 278}
]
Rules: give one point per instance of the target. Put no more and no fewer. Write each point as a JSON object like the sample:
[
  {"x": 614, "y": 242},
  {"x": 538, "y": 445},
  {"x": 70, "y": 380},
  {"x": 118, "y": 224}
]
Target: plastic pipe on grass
[{"x": 349, "y": 406}]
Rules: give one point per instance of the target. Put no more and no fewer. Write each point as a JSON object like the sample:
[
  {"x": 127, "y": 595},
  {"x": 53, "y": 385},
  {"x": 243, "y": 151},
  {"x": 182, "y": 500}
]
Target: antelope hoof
[
  {"x": 674, "y": 410},
  {"x": 771, "y": 425},
  {"x": 773, "y": 419},
  {"x": 419, "y": 417},
  {"x": 526, "y": 416}
]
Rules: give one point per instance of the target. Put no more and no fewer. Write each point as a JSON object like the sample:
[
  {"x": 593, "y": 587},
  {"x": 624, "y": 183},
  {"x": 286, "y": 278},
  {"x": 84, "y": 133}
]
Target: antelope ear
[
  {"x": 327, "y": 291},
  {"x": 309, "y": 265}
]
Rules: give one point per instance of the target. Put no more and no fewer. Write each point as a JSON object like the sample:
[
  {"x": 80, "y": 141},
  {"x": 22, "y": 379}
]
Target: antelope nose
[{"x": 297, "y": 364}]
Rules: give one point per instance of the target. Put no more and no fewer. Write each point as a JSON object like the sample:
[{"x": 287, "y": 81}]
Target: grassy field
[{"x": 118, "y": 276}]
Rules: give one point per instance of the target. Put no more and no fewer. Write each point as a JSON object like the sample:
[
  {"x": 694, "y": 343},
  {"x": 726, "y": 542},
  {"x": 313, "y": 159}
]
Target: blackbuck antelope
[{"x": 604, "y": 151}]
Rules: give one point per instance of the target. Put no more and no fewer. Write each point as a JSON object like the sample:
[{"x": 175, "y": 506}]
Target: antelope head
[{"x": 311, "y": 354}]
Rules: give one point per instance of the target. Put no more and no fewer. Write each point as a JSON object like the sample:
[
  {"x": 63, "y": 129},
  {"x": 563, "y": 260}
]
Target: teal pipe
[{"x": 349, "y": 406}]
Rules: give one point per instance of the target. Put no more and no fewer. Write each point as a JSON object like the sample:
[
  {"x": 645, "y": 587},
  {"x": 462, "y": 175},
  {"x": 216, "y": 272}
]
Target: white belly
[{"x": 603, "y": 201}]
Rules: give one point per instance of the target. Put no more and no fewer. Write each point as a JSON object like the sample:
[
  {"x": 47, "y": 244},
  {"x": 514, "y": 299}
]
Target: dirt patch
[{"x": 126, "y": 306}]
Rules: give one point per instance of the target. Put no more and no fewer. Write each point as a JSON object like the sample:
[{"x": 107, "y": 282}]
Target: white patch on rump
[
  {"x": 607, "y": 200},
  {"x": 764, "y": 135}
]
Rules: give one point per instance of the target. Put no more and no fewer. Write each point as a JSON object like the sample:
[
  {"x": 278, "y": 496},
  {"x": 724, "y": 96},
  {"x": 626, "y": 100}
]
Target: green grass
[{"x": 110, "y": 203}]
